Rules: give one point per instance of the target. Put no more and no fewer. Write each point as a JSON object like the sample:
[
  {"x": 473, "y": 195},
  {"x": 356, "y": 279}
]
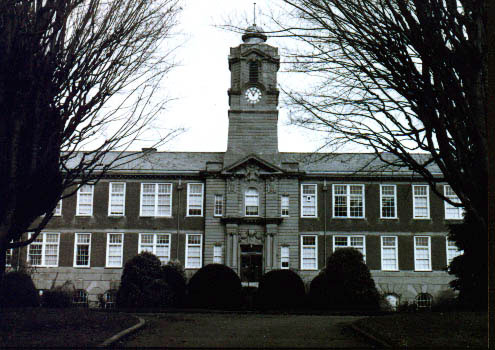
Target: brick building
[{"x": 252, "y": 207}]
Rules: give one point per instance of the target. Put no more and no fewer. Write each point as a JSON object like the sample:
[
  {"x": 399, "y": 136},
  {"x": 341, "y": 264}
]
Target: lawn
[
  {"x": 70, "y": 327},
  {"x": 430, "y": 329}
]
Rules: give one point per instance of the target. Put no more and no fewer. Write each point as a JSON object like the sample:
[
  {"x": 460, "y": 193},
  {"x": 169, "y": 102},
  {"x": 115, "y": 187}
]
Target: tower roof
[{"x": 254, "y": 35}]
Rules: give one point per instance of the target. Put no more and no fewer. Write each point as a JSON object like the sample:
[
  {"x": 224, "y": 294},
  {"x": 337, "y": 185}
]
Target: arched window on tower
[
  {"x": 251, "y": 202},
  {"x": 253, "y": 71}
]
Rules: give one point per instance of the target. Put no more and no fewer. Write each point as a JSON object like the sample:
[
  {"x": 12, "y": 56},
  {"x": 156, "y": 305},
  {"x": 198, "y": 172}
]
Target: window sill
[
  {"x": 309, "y": 217},
  {"x": 421, "y": 218},
  {"x": 81, "y": 267},
  {"x": 349, "y": 217},
  {"x": 391, "y": 270},
  {"x": 194, "y": 216},
  {"x": 396, "y": 218},
  {"x": 423, "y": 270},
  {"x": 113, "y": 267},
  {"x": 155, "y": 216},
  {"x": 116, "y": 215},
  {"x": 81, "y": 215}
]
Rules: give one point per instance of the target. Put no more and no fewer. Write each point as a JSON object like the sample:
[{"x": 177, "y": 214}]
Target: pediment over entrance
[{"x": 252, "y": 167}]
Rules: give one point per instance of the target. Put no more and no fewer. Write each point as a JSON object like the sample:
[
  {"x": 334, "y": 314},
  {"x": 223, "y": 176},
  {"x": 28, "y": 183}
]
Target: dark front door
[{"x": 251, "y": 262}]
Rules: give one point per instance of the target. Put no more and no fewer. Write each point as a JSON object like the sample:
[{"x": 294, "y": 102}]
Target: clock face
[{"x": 253, "y": 95}]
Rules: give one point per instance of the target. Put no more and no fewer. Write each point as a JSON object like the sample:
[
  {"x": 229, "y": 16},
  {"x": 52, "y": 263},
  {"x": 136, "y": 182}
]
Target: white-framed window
[
  {"x": 115, "y": 249},
  {"x": 452, "y": 251},
  {"x": 284, "y": 205},
  {"x": 348, "y": 201},
  {"x": 58, "y": 209},
  {"x": 82, "y": 249},
  {"x": 309, "y": 252},
  {"x": 452, "y": 212},
  {"x": 251, "y": 202},
  {"x": 309, "y": 200},
  {"x": 194, "y": 251},
  {"x": 156, "y": 199},
  {"x": 80, "y": 297},
  {"x": 218, "y": 254},
  {"x": 422, "y": 253},
  {"x": 43, "y": 251},
  {"x": 116, "y": 200},
  {"x": 156, "y": 243},
  {"x": 194, "y": 199},
  {"x": 284, "y": 258},
  {"x": 421, "y": 201},
  {"x": 346, "y": 241},
  {"x": 218, "y": 210},
  {"x": 388, "y": 202},
  {"x": 8, "y": 256},
  {"x": 85, "y": 200},
  {"x": 423, "y": 301},
  {"x": 390, "y": 261}
]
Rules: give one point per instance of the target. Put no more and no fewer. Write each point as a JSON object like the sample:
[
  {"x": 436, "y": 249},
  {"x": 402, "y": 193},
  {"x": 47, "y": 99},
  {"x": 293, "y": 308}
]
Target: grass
[
  {"x": 430, "y": 329},
  {"x": 69, "y": 327}
]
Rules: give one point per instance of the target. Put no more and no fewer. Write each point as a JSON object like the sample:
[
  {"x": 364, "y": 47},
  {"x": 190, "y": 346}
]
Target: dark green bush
[
  {"x": 18, "y": 290},
  {"x": 446, "y": 301},
  {"x": 280, "y": 289},
  {"x": 318, "y": 296},
  {"x": 57, "y": 298},
  {"x": 214, "y": 286},
  {"x": 346, "y": 284},
  {"x": 174, "y": 276}
]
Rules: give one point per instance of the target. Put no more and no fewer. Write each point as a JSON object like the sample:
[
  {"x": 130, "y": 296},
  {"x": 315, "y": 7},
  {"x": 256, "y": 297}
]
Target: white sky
[{"x": 201, "y": 81}]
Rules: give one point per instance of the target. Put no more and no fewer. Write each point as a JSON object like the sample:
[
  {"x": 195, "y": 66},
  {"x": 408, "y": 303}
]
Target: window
[
  {"x": 308, "y": 200},
  {"x": 218, "y": 211},
  {"x": 82, "y": 249},
  {"x": 115, "y": 244},
  {"x": 109, "y": 298},
  {"x": 253, "y": 71},
  {"x": 393, "y": 301},
  {"x": 156, "y": 199},
  {"x": 8, "y": 257},
  {"x": 388, "y": 202},
  {"x": 284, "y": 205},
  {"x": 389, "y": 253},
  {"x": 80, "y": 297},
  {"x": 423, "y": 301},
  {"x": 43, "y": 251},
  {"x": 356, "y": 242},
  {"x": 284, "y": 257},
  {"x": 156, "y": 243},
  {"x": 422, "y": 253},
  {"x": 452, "y": 212},
  {"x": 251, "y": 202},
  {"x": 421, "y": 202},
  {"x": 116, "y": 202},
  {"x": 452, "y": 251},
  {"x": 309, "y": 252},
  {"x": 194, "y": 199},
  {"x": 218, "y": 254},
  {"x": 85, "y": 200},
  {"x": 58, "y": 209},
  {"x": 348, "y": 201},
  {"x": 193, "y": 251}
]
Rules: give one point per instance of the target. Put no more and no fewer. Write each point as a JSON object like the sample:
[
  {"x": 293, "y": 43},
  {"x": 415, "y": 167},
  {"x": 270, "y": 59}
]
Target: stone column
[
  {"x": 268, "y": 252},
  {"x": 228, "y": 251},
  {"x": 235, "y": 247}
]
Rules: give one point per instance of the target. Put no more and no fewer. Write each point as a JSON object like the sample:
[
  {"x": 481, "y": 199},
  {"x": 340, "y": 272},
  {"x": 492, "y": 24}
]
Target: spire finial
[{"x": 254, "y": 13}]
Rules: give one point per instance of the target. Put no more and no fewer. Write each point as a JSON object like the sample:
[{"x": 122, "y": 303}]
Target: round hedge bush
[
  {"x": 280, "y": 289},
  {"x": 18, "y": 290},
  {"x": 318, "y": 296},
  {"x": 346, "y": 283},
  {"x": 214, "y": 286}
]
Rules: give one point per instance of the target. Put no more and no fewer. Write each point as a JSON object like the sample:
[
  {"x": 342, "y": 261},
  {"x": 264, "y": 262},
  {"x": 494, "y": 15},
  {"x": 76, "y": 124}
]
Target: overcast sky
[{"x": 201, "y": 81}]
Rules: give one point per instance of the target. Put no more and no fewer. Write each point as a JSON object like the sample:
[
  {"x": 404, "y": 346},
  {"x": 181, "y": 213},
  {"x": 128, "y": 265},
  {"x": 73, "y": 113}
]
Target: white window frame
[
  {"x": 218, "y": 254},
  {"x": 156, "y": 196},
  {"x": 285, "y": 257},
  {"x": 246, "y": 201},
  {"x": 415, "y": 254},
  {"x": 189, "y": 195},
  {"x": 44, "y": 245},
  {"x": 348, "y": 196},
  {"x": 10, "y": 252},
  {"x": 427, "y": 217},
  {"x": 58, "y": 209},
  {"x": 77, "y": 244},
  {"x": 306, "y": 198},
  {"x": 218, "y": 204},
  {"x": 284, "y": 206},
  {"x": 155, "y": 244},
  {"x": 449, "y": 207},
  {"x": 382, "y": 196},
  {"x": 396, "y": 247},
  {"x": 315, "y": 247},
  {"x": 114, "y": 244},
  {"x": 349, "y": 243},
  {"x": 451, "y": 256},
  {"x": 79, "y": 193},
  {"x": 110, "y": 193},
  {"x": 187, "y": 265}
]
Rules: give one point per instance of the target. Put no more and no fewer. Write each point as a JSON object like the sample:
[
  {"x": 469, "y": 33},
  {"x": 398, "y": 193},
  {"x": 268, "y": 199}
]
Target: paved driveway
[{"x": 245, "y": 331}]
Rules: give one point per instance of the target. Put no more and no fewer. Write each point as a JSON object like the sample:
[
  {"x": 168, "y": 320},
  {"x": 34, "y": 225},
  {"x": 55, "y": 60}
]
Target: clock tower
[{"x": 253, "y": 99}]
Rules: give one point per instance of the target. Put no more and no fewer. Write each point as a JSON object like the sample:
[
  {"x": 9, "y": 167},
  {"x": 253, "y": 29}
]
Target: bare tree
[{"x": 75, "y": 75}]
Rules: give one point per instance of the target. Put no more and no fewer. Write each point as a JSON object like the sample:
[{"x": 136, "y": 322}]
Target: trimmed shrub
[
  {"x": 346, "y": 283},
  {"x": 214, "y": 286},
  {"x": 173, "y": 275},
  {"x": 142, "y": 283},
  {"x": 18, "y": 290},
  {"x": 280, "y": 289},
  {"x": 57, "y": 298},
  {"x": 318, "y": 296}
]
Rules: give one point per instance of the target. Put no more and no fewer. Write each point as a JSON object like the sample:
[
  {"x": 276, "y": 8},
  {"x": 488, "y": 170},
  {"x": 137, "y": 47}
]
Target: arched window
[
  {"x": 109, "y": 298},
  {"x": 251, "y": 201},
  {"x": 423, "y": 301},
  {"x": 393, "y": 301},
  {"x": 80, "y": 297},
  {"x": 253, "y": 71}
]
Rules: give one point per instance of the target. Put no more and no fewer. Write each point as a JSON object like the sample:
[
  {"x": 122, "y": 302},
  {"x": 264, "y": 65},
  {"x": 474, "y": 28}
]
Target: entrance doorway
[{"x": 251, "y": 262}]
